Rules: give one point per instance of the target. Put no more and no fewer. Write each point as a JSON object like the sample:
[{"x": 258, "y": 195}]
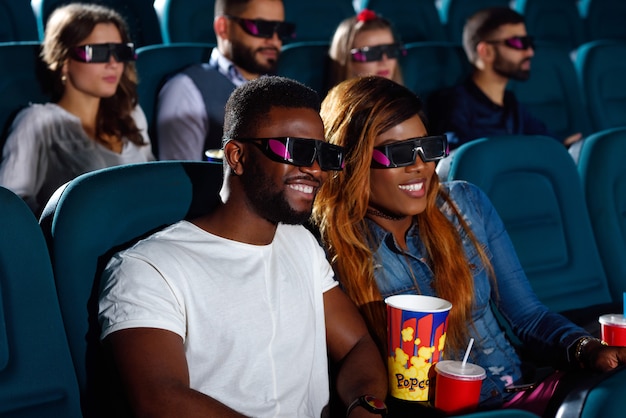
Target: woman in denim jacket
[{"x": 390, "y": 227}]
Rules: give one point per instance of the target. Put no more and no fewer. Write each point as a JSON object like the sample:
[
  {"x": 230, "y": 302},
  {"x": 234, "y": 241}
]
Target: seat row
[
  {"x": 52, "y": 364},
  {"x": 586, "y": 95},
  {"x": 51, "y": 358},
  {"x": 566, "y": 22}
]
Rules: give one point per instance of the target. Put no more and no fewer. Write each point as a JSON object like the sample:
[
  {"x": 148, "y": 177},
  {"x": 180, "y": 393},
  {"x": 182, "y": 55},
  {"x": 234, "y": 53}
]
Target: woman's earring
[{"x": 63, "y": 79}]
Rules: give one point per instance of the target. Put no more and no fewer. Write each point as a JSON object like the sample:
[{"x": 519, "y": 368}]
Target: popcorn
[
  {"x": 416, "y": 326},
  {"x": 413, "y": 380}
]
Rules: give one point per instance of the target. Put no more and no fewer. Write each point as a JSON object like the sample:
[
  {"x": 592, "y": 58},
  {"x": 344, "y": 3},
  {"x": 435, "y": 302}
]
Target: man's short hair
[
  {"x": 249, "y": 104},
  {"x": 482, "y": 25},
  {"x": 230, "y": 7}
]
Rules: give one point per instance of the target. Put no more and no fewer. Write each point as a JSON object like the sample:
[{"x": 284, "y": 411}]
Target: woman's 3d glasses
[
  {"x": 300, "y": 152},
  {"x": 404, "y": 153},
  {"x": 266, "y": 28},
  {"x": 520, "y": 43},
  {"x": 99, "y": 53},
  {"x": 375, "y": 53}
]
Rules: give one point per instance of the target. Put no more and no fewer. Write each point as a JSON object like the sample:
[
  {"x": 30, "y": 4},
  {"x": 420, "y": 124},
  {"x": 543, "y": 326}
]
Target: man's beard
[
  {"x": 267, "y": 201},
  {"x": 245, "y": 58},
  {"x": 509, "y": 69}
]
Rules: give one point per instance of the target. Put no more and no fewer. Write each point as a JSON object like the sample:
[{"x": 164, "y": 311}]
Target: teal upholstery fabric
[
  {"x": 604, "y": 19},
  {"x": 596, "y": 395},
  {"x": 533, "y": 183},
  {"x": 22, "y": 82},
  {"x": 607, "y": 398},
  {"x": 140, "y": 16},
  {"x": 17, "y": 21},
  {"x": 95, "y": 215},
  {"x": 603, "y": 175},
  {"x": 155, "y": 64},
  {"x": 552, "y": 93},
  {"x": 316, "y": 20},
  {"x": 37, "y": 378},
  {"x": 601, "y": 66},
  {"x": 555, "y": 21},
  {"x": 413, "y": 20},
  {"x": 186, "y": 20},
  {"x": 306, "y": 62},
  {"x": 454, "y": 13},
  {"x": 431, "y": 66}
]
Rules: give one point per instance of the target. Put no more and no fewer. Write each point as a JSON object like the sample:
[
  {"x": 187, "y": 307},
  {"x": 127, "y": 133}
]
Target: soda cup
[
  {"x": 613, "y": 329},
  {"x": 457, "y": 390}
]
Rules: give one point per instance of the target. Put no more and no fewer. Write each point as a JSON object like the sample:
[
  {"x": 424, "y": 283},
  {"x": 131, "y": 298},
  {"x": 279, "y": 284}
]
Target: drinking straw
[
  {"x": 624, "y": 308},
  {"x": 467, "y": 352}
]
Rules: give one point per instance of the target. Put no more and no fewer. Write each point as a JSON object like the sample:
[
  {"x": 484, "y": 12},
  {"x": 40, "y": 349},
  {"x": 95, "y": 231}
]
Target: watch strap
[{"x": 371, "y": 403}]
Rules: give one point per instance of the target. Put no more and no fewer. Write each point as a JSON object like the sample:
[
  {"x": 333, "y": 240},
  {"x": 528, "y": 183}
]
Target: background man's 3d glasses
[
  {"x": 300, "y": 152},
  {"x": 266, "y": 28},
  {"x": 404, "y": 153},
  {"x": 99, "y": 53},
  {"x": 516, "y": 42},
  {"x": 375, "y": 53}
]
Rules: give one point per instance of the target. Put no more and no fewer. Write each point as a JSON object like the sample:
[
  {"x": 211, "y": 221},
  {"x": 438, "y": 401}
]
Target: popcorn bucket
[{"x": 416, "y": 326}]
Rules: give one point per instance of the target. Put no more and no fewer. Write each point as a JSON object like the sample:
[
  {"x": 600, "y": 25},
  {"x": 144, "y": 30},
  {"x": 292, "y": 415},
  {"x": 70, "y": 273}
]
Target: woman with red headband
[{"x": 365, "y": 44}]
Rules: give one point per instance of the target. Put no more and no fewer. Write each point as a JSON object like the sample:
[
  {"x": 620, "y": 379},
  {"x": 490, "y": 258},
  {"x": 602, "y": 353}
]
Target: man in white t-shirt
[{"x": 236, "y": 313}]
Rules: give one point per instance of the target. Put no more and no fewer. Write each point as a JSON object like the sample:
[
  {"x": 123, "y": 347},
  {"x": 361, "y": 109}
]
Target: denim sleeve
[{"x": 541, "y": 331}]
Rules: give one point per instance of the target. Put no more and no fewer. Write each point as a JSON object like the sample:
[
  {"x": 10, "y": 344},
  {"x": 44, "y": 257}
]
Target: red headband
[{"x": 366, "y": 15}]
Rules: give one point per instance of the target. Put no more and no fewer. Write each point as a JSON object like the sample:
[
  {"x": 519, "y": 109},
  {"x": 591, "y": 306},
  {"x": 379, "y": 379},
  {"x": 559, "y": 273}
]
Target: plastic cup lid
[
  {"x": 455, "y": 369},
  {"x": 418, "y": 303},
  {"x": 617, "y": 320}
]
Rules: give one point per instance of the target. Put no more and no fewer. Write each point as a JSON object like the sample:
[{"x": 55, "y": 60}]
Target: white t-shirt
[{"x": 251, "y": 317}]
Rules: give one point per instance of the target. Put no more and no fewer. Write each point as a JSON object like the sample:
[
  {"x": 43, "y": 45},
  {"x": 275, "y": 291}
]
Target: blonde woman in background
[{"x": 365, "y": 44}]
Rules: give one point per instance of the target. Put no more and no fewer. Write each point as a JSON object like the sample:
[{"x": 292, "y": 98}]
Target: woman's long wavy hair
[
  {"x": 355, "y": 112},
  {"x": 340, "y": 67},
  {"x": 67, "y": 27}
]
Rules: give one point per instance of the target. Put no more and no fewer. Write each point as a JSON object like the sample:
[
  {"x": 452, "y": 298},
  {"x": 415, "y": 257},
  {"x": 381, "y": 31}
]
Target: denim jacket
[{"x": 542, "y": 332}]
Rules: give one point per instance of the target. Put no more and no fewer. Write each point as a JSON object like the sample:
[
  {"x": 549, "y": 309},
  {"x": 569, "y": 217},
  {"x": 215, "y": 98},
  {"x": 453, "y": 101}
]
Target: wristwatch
[
  {"x": 579, "y": 349},
  {"x": 371, "y": 403}
]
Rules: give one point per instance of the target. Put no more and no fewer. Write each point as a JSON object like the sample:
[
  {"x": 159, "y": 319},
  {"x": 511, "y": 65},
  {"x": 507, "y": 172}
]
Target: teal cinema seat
[
  {"x": 413, "y": 20},
  {"x": 552, "y": 93},
  {"x": 89, "y": 219},
  {"x": 186, "y": 20},
  {"x": 600, "y": 66},
  {"x": 37, "y": 379},
  {"x": 155, "y": 65},
  {"x": 533, "y": 183},
  {"x": 17, "y": 21},
  {"x": 556, "y": 21},
  {"x": 306, "y": 62},
  {"x": 603, "y": 175}
]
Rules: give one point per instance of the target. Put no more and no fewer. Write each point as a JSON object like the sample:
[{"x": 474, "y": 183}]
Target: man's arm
[
  {"x": 153, "y": 368},
  {"x": 182, "y": 122},
  {"x": 350, "y": 345}
]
